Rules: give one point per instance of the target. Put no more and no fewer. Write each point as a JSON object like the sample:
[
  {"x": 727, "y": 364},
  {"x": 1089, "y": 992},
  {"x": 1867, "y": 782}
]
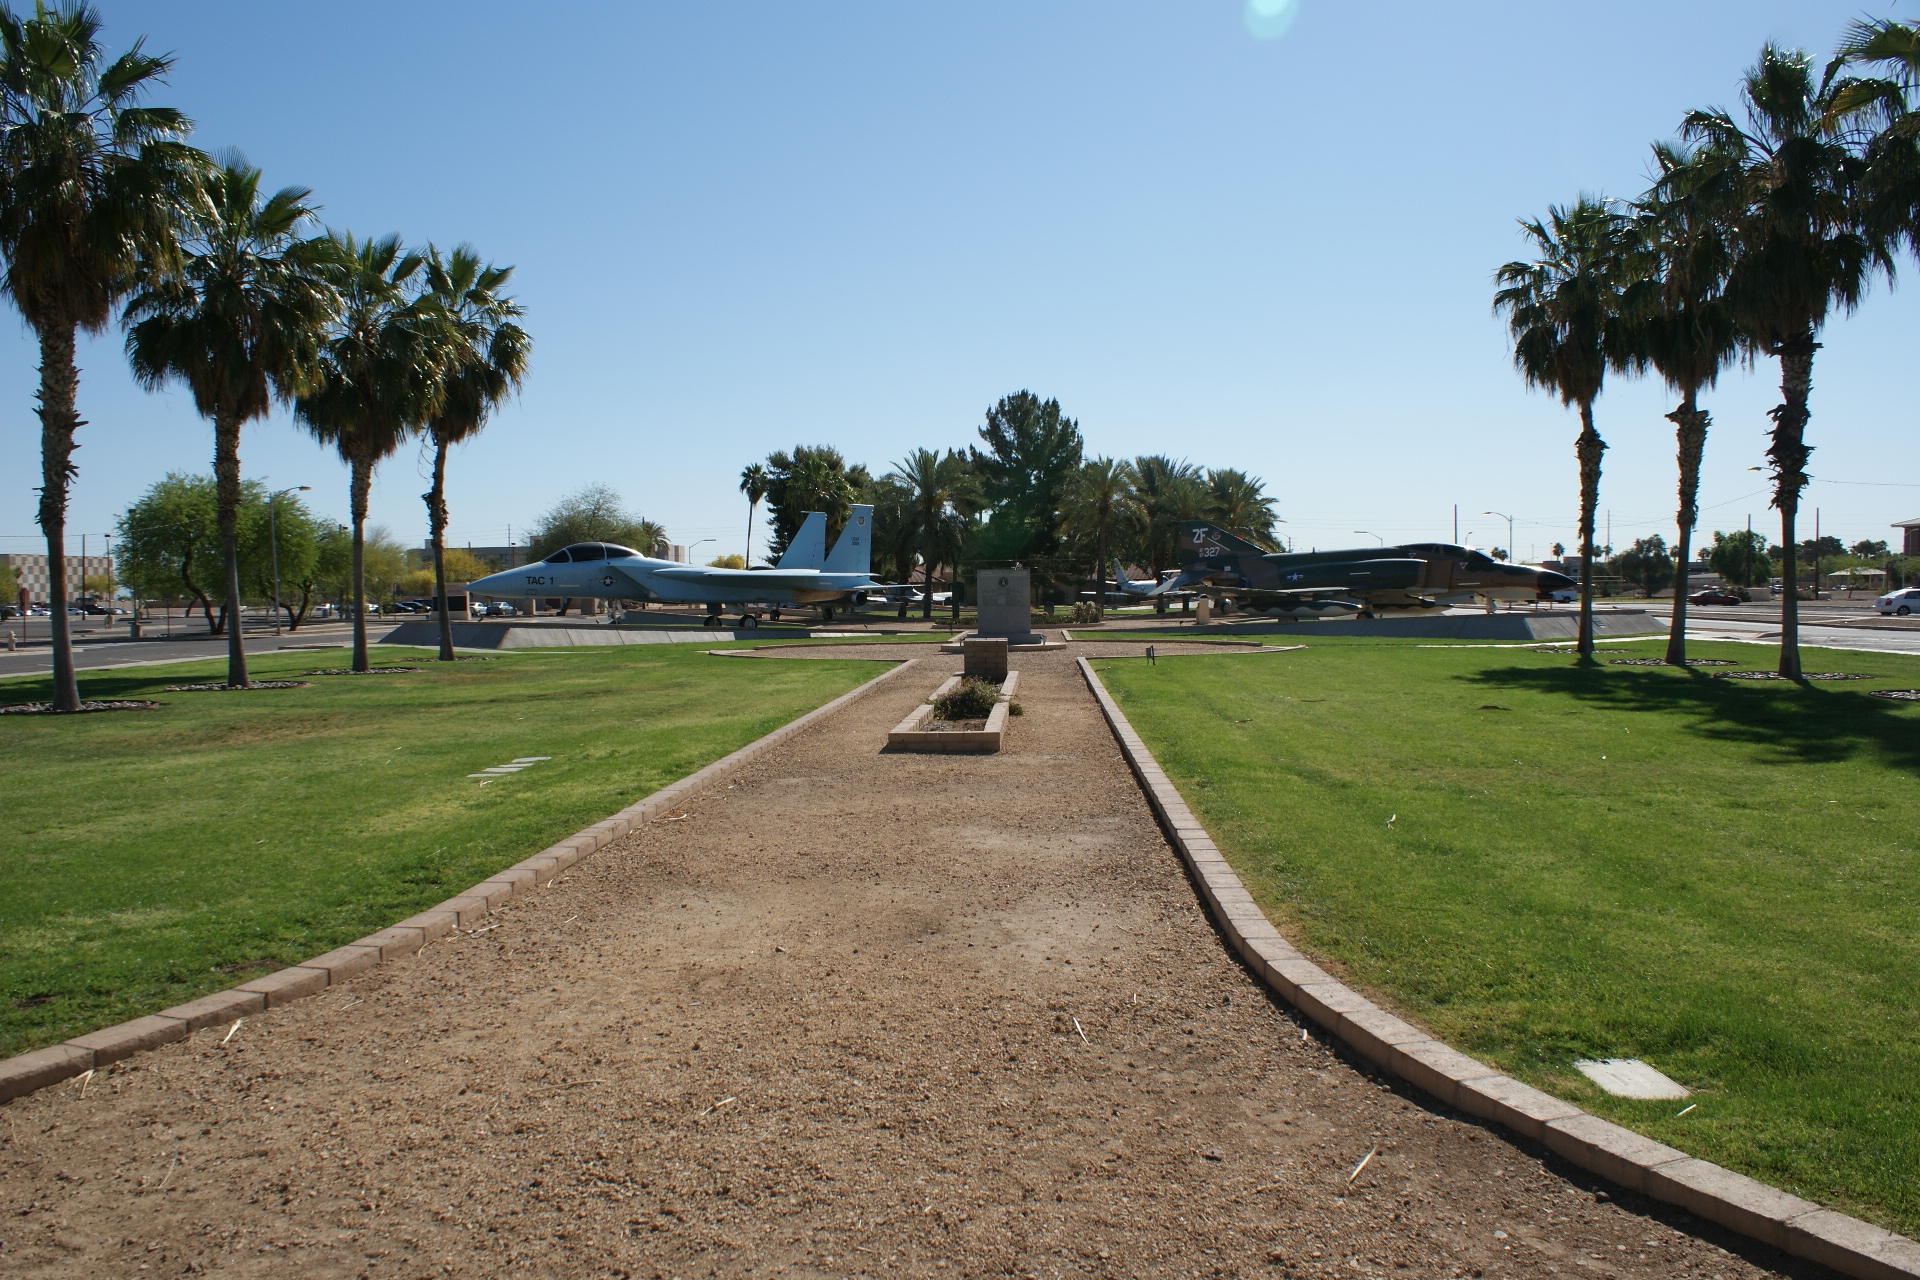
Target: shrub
[{"x": 972, "y": 699}]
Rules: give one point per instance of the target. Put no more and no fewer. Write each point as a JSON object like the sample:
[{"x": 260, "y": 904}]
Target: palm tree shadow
[{"x": 1799, "y": 724}]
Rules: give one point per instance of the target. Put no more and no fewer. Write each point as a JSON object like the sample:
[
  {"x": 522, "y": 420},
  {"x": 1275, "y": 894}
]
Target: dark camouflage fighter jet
[{"x": 1367, "y": 581}]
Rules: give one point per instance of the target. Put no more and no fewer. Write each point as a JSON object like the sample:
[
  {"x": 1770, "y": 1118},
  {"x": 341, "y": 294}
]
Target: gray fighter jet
[
  {"x": 806, "y": 575},
  {"x": 1368, "y": 580}
]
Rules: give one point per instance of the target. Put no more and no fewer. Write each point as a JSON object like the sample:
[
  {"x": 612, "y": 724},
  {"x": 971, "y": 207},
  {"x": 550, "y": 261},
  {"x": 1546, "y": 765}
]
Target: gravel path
[{"x": 857, "y": 1013}]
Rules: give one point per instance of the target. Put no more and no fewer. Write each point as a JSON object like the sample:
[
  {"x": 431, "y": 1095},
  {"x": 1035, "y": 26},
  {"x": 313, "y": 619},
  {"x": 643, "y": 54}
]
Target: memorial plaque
[{"x": 1005, "y": 607}]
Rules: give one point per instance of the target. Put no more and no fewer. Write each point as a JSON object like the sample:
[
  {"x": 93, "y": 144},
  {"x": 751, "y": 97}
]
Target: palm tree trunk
[
  {"x": 226, "y": 487},
  {"x": 437, "y": 528},
  {"x": 361, "y": 483},
  {"x": 751, "y": 504},
  {"x": 1789, "y": 453},
  {"x": 929, "y": 534},
  {"x": 1587, "y": 448},
  {"x": 1100, "y": 573},
  {"x": 59, "y": 385},
  {"x": 1690, "y": 427}
]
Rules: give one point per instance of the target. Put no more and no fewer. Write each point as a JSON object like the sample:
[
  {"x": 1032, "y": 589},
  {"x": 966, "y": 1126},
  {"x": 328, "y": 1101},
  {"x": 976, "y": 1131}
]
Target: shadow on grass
[{"x": 1805, "y": 724}]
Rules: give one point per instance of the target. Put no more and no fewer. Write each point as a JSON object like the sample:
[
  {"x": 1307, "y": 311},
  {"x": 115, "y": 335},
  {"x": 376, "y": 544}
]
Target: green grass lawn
[
  {"x": 1543, "y": 862},
  {"x": 154, "y": 856}
]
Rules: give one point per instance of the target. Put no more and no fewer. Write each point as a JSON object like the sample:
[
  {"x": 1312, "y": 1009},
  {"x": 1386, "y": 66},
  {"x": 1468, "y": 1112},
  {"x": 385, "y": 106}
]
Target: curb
[
  {"x": 1721, "y": 1196},
  {"x": 36, "y": 1069}
]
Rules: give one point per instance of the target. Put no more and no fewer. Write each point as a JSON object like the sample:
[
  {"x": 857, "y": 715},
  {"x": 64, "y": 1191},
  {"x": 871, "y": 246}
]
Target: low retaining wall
[
  {"x": 39, "y": 1068},
  {"x": 1732, "y": 1200},
  {"x": 1449, "y": 626},
  {"x": 493, "y": 635}
]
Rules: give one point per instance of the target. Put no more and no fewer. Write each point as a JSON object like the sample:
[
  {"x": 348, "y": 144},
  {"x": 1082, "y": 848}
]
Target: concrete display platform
[
  {"x": 489, "y": 635},
  {"x": 1446, "y": 626}
]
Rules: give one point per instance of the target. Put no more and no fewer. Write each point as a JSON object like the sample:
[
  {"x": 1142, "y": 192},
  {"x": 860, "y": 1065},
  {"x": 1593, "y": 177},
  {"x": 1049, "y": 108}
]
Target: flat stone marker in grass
[{"x": 1630, "y": 1078}]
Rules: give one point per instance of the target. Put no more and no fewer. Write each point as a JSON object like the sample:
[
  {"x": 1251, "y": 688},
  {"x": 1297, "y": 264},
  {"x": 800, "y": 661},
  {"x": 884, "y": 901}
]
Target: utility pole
[
  {"x": 1749, "y": 549},
  {"x": 1816, "y": 553},
  {"x": 1509, "y": 519}
]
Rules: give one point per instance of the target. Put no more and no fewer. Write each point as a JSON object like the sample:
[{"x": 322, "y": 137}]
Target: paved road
[
  {"x": 104, "y": 649},
  {"x": 855, "y": 1013},
  {"x": 1731, "y": 624}
]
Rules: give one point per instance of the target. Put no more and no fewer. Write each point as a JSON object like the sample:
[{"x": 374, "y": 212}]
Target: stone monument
[{"x": 1005, "y": 606}]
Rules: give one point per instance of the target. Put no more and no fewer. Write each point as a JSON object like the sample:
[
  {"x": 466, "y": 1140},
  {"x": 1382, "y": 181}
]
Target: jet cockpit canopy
[{"x": 582, "y": 551}]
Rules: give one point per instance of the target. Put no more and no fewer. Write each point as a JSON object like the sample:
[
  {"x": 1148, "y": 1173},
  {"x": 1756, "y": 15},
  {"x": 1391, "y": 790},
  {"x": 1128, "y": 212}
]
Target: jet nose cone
[{"x": 1551, "y": 581}]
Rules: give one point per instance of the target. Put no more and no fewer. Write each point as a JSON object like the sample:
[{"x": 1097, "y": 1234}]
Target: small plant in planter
[{"x": 971, "y": 699}]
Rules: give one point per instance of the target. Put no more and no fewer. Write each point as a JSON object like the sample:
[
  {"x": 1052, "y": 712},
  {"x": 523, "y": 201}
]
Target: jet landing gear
[{"x": 713, "y": 616}]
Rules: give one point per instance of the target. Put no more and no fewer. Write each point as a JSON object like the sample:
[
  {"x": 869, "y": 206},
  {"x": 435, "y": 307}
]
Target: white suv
[{"x": 1899, "y": 602}]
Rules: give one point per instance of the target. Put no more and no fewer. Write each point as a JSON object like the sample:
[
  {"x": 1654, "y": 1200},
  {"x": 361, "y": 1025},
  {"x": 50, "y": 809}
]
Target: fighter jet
[
  {"x": 806, "y": 575},
  {"x": 1368, "y": 580}
]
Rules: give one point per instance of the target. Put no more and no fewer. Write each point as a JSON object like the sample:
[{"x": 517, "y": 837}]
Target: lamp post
[
  {"x": 1509, "y": 520},
  {"x": 690, "y": 548},
  {"x": 1371, "y": 534},
  {"x": 273, "y": 545}
]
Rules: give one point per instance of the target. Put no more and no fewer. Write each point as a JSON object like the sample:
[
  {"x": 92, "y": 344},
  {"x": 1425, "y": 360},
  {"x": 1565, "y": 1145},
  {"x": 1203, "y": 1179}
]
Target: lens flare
[{"x": 1270, "y": 19}]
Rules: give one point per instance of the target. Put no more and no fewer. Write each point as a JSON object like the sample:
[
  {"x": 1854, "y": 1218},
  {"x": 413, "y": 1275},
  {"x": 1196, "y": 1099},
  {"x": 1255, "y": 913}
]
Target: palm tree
[
  {"x": 378, "y": 372},
  {"x": 92, "y": 186},
  {"x": 1101, "y": 498},
  {"x": 1238, "y": 503},
  {"x": 941, "y": 489},
  {"x": 482, "y": 360},
  {"x": 753, "y": 483},
  {"x": 238, "y": 323},
  {"x": 1881, "y": 114},
  {"x": 1681, "y": 325},
  {"x": 1165, "y": 492},
  {"x": 1800, "y": 249},
  {"x": 1563, "y": 311}
]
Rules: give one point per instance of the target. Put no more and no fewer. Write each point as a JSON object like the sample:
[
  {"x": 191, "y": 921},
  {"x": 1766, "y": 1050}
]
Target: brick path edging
[
  {"x": 38, "y": 1068},
  {"x": 1732, "y": 1200}
]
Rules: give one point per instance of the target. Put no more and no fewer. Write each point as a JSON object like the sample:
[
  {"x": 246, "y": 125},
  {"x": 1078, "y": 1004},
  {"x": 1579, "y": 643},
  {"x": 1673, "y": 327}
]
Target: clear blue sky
[{"x": 742, "y": 226}]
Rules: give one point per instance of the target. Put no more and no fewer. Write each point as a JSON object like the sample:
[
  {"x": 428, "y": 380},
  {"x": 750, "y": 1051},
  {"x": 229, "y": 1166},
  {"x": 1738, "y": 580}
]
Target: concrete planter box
[{"x": 912, "y": 735}]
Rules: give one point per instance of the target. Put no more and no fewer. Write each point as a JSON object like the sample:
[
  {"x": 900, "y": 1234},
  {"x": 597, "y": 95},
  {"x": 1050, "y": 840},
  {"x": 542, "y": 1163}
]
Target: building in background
[
  {"x": 1910, "y": 544},
  {"x": 495, "y": 558},
  {"x": 37, "y": 585}
]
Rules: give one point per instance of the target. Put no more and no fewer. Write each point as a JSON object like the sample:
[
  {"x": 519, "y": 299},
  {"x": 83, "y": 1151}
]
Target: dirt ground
[{"x": 857, "y": 1013}]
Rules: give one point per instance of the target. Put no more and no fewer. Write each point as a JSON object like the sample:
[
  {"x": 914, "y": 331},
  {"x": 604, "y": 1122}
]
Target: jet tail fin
[
  {"x": 1127, "y": 586},
  {"x": 1200, "y": 541},
  {"x": 853, "y": 549},
  {"x": 807, "y": 549}
]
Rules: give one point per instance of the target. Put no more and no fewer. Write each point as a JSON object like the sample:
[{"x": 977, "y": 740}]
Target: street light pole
[
  {"x": 1509, "y": 520},
  {"x": 1371, "y": 534},
  {"x": 273, "y": 545}
]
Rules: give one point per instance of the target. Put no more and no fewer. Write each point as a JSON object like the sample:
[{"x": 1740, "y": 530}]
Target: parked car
[
  {"x": 1714, "y": 595},
  {"x": 1899, "y": 603}
]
